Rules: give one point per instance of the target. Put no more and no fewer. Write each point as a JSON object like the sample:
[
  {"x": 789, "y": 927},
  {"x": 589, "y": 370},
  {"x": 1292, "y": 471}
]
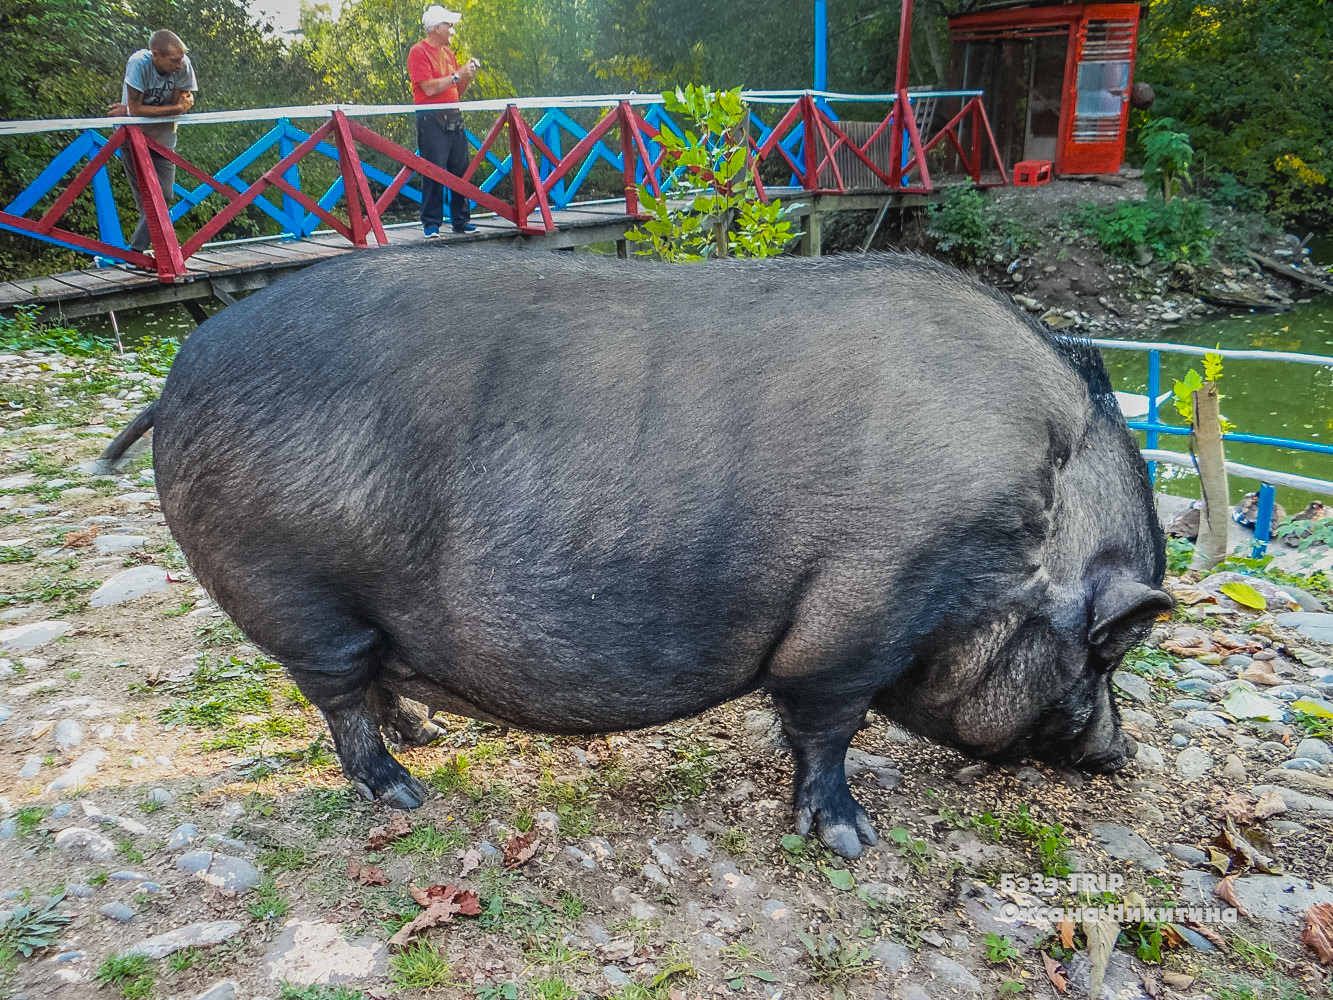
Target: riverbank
[{"x": 1052, "y": 266}]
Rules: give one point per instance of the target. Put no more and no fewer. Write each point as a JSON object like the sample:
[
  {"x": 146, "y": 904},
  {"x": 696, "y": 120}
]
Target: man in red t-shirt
[{"x": 438, "y": 79}]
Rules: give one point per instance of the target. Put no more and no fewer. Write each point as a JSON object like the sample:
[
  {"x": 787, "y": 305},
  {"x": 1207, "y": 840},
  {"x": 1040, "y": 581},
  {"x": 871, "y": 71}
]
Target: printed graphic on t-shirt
[{"x": 158, "y": 90}]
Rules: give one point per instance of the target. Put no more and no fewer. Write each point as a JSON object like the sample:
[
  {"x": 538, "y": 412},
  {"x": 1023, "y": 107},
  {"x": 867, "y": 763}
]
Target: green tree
[
  {"x": 1251, "y": 82},
  {"x": 361, "y": 57}
]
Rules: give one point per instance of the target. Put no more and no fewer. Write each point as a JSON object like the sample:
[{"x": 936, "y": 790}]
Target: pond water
[{"x": 1279, "y": 399}]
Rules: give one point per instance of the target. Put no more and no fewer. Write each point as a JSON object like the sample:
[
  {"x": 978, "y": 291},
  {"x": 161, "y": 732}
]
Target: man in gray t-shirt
[{"x": 159, "y": 83}]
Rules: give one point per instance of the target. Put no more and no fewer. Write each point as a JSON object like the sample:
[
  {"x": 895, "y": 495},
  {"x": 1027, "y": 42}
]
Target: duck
[
  {"x": 1316, "y": 511},
  {"x": 1186, "y": 523},
  {"x": 1247, "y": 511}
]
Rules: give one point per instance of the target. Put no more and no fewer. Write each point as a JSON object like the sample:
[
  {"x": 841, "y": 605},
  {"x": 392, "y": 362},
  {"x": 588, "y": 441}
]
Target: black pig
[{"x": 576, "y": 495}]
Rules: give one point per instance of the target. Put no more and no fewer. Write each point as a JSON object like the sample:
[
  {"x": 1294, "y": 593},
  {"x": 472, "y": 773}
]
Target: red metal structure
[
  {"x": 1056, "y": 78},
  {"x": 807, "y": 138}
]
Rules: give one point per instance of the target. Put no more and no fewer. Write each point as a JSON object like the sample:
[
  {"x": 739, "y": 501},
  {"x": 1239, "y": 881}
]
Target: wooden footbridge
[{"x": 532, "y": 182}]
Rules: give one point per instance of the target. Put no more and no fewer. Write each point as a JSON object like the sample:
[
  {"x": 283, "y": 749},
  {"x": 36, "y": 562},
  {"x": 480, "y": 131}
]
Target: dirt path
[{"x": 159, "y": 777}]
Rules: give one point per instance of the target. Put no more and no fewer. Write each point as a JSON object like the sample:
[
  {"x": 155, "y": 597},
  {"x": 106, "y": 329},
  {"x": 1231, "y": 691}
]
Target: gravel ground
[{"x": 166, "y": 793}]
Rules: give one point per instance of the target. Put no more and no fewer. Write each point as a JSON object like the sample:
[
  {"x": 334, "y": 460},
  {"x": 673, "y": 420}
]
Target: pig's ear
[{"x": 1119, "y": 605}]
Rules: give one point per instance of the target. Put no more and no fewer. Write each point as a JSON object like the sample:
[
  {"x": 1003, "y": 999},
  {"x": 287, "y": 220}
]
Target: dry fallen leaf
[
  {"x": 1318, "y": 931},
  {"x": 1172, "y": 938},
  {"x": 1270, "y": 804},
  {"x": 471, "y": 861},
  {"x": 397, "y": 827},
  {"x": 1151, "y": 985},
  {"x": 1055, "y": 973},
  {"x": 1066, "y": 928},
  {"x": 366, "y": 874},
  {"x": 441, "y": 902},
  {"x": 1226, "y": 891},
  {"x": 1102, "y": 935},
  {"x": 1239, "y": 806},
  {"x": 80, "y": 539},
  {"x": 520, "y": 847}
]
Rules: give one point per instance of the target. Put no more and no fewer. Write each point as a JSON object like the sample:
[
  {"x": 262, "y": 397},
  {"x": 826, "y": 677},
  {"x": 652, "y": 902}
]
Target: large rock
[
  {"x": 1124, "y": 844},
  {"x": 310, "y": 951},
  {"x": 114, "y": 544},
  {"x": 1280, "y": 898},
  {"x": 22, "y": 638},
  {"x": 129, "y": 584},
  {"x": 1133, "y": 685},
  {"x": 193, "y": 936},
  {"x": 1193, "y": 763},
  {"x": 1311, "y": 624},
  {"x": 79, "y": 844},
  {"x": 1297, "y": 801},
  {"x": 79, "y": 772},
  {"x": 951, "y": 972},
  {"x": 221, "y": 870}
]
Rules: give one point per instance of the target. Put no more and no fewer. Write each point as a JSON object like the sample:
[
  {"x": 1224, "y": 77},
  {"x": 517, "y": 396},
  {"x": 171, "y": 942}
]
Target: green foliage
[
  {"x": 1183, "y": 390},
  {"x": 277, "y": 860},
  {"x": 419, "y": 967},
  {"x": 1251, "y": 83},
  {"x": 219, "y": 691},
  {"x": 712, "y": 168},
  {"x": 834, "y": 962},
  {"x": 1179, "y": 555},
  {"x": 999, "y": 949},
  {"x": 30, "y": 927},
  {"x": 132, "y": 975},
  {"x": 1313, "y": 725},
  {"x": 1304, "y": 534},
  {"x": 27, "y": 819},
  {"x": 1167, "y": 157},
  {"x": 967, "y": 228},
  {"x": 687, "y": 776},
  {"x": 267, "y": 902},
  {"x": 913, "y": 850},
  {"x": 1177, "y": 231},
  {"x": 319, "y": 991}
]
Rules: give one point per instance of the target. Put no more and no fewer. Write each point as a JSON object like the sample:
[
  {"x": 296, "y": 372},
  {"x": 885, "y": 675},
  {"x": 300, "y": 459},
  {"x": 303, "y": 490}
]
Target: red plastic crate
[{"x": 1030, "y": 173}]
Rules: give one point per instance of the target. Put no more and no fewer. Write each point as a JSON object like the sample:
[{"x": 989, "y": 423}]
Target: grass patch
[
  {"x": 319, "y": 991},
  {"x": 688, "y": 774},
  {"x": 267, "y": 902},
  {"x": 221, "y": 690},
  {"x": 277, "y": 860},
  {"x": 428, "y": 840},
  {"x": 420, "y": 967},
  {"x": 27, "y": 819},
  {"x": 132, "y": 975}
]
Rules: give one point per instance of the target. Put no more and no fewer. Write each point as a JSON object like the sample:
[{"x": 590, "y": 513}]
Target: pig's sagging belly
[
  {"x": 580, "y": 660},
  {"x": 577, "y": 691}
]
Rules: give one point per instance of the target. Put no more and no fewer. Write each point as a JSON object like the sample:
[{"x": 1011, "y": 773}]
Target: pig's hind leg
[
  {"x": 819, "y": 726},
  {"x": 338, "y": 673}
]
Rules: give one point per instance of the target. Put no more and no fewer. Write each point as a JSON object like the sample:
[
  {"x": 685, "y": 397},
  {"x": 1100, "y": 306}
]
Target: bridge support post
[{"x": 812, "y": 232}]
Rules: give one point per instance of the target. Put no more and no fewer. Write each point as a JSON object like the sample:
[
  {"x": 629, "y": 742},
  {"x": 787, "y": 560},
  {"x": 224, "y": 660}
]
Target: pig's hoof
[
  {"x": 843, "y": 834},
  {"x": 413, "y": 733},
  {"x": 406, "y": 794}
]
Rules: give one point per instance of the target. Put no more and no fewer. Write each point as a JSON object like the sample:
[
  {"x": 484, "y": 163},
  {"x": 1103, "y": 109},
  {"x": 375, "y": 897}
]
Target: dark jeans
[
  {"x": 166, "y": 180},
  {"x": 444, "y": 143}
]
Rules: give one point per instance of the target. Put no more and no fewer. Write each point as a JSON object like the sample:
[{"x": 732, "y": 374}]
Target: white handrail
[
  {"x": 35, "y": 126},
  {"x": 1134, "y": 345},
  {"x": 1247, "y": 471}
]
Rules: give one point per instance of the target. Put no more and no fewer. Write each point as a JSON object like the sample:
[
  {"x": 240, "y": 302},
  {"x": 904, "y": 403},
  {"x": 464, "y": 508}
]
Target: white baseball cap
[{"x": 435, "y": 14}]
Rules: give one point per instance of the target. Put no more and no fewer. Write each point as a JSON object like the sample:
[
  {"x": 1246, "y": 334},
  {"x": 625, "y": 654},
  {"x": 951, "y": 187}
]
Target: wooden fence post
[{"x": 1211, "y": 546}]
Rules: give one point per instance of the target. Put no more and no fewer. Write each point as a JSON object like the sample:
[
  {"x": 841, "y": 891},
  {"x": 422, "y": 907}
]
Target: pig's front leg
[{"x": 820, "y": 726}]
